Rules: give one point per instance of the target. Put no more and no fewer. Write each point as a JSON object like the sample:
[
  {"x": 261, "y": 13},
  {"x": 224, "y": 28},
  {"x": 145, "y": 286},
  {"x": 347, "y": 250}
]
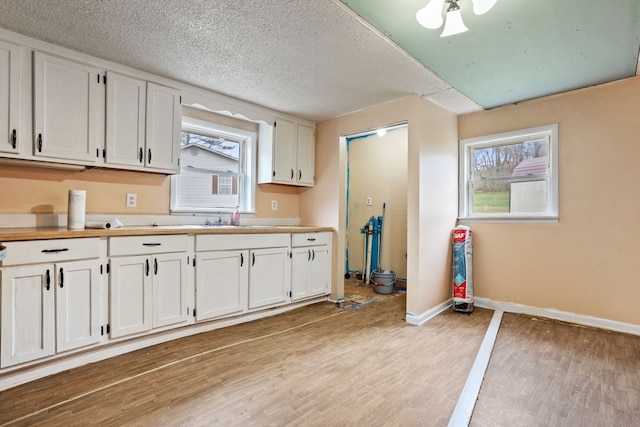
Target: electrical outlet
[
  {"x": 368, "y": 201},
  {"x": 132, "y": 199},
  {"x": 274, "y": 205}
]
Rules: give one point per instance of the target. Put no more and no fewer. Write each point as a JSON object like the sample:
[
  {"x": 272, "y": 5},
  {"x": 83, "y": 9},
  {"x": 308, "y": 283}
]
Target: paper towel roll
[{"x": 75, "y": 211}]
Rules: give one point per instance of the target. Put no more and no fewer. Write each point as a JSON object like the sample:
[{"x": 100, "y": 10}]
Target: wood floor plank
[
  {"x": 546, "y": 373},
  {"x": 315, "y": 366}
]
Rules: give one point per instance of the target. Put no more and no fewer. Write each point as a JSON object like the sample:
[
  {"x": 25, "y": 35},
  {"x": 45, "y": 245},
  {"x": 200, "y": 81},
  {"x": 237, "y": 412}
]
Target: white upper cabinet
[
  {"x": 125, "y": 121},
  {"x": 143, "y": 125},
  {"x": 164, "y": 125},
  {"x": 289, "y": 157},
  {"x": 10, "y": 70},
  {"x": 68, "y": 109}
]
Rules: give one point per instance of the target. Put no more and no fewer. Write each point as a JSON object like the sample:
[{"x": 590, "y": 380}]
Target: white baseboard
[
  {"x": 415, "y": 319},
  {"x": 563, "y": 316}
]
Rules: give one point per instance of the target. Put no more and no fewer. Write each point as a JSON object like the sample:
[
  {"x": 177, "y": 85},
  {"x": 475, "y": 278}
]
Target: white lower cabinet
[
  {"x": 236, "y": 273},
  {"x": 149, "y": 289},
  {"x": 48, "y": 308},
  {"x": 222, "y": 279},
  {"x": 311, "y": 265}
]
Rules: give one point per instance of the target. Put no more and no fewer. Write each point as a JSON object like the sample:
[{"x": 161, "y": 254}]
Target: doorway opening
[{"x": 376, "y": 190}]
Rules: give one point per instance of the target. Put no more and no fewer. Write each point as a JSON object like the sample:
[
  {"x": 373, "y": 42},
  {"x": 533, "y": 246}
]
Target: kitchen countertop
[{"x": 37, "y": 233}]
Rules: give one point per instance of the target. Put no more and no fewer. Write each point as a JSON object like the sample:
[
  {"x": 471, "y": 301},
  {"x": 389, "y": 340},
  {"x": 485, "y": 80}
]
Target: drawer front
[
  {"x": 54, "y": 250},
  {"x": 225, "y": 242},
  {"x": 147, "y": 245},
  {"x": 310, "y": 239}
]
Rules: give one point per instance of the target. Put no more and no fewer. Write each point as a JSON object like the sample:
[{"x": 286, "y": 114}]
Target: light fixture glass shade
[
  {"x": 430, "y": 16},
  {"x": 480, "y": 7},
  {"x": 454, "y": 24}
]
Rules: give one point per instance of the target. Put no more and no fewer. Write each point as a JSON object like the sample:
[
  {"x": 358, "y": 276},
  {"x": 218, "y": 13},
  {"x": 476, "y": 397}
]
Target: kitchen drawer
[
  {"x": 310, "y": 239},
  {"x": 147, "y": 245},
  {"x": 225, "y": 242},
  {"x": 55, "y": 250}
]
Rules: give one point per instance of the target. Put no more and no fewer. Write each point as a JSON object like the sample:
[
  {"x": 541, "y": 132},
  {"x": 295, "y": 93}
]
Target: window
[
  {"x": 217, "y": 164},
  {"x": 510, "y": 176}
]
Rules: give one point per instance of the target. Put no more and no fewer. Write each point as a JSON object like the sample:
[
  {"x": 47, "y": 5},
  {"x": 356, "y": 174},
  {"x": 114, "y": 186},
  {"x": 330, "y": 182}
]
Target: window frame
[
  {"x": 246, "y": 182},
  {"x": 465, "y": 195}
]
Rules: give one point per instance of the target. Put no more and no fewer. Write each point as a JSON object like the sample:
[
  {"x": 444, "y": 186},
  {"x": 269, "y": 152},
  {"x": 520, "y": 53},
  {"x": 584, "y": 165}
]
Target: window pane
[
  {"x": 498, "y": 197},
  {"x": 522, "y": 158},
  {"x": 201, "y": 153}
]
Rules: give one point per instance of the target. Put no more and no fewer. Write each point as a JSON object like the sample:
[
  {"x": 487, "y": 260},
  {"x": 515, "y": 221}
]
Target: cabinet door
[
  {"x": 306, "y": 155},
  {"x": 67, "y": 108},
  {"x": 269, "y": 277},
  {"x": 9, "y": 98},
  {"x": 28, "y": 324},
  {"x": 125, "y": 121},
  {"x": 221, "y": 283},
  {"x": 130, "y": 295},
  {"x": 169, "y": 289},
  {"x": 77, "y": 304},
  {"x": 319, "y": 271},
  {"x": 163, "y": 129},
  {"x": 300, "y": 264},
  {"x": 284, "y": 152}
]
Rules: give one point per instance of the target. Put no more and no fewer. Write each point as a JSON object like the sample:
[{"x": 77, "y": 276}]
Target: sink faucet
[{"x": 219, "y": 218}]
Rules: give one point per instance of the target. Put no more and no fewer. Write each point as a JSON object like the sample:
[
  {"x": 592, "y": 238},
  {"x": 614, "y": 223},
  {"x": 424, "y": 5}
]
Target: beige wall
[
  {"x": 587, "y": 262},
  {"x": 378, "y": 169},
  {"x": 431, "y": 192},
  {"x": 44, "y": 191}
]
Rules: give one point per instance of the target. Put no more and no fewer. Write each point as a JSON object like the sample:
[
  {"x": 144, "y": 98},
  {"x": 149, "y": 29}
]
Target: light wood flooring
[{"x": 327, "y": 366}]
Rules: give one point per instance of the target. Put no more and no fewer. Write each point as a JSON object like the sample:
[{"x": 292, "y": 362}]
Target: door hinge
[
  {"x": 180, "y": 99},
  {"x": 104, "y": 153},
  {"x": 290, "y": 294},
  {"x": 100, "y": 268},
  {"x": 102, "y": 330}
]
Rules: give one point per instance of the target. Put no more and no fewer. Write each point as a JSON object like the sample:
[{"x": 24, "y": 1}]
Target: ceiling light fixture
[{"x": 430, "y": 16}]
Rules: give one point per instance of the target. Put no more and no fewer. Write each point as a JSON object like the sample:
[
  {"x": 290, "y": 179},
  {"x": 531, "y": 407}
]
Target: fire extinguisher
[{"x": 462, "y": 270}]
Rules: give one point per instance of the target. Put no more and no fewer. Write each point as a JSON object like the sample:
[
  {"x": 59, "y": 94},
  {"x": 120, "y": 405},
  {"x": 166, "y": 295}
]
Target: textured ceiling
[
  {"x": 520, "y": 49},
  {"x": 313, "y": 59},
  {"x": 319, "y": 59}
]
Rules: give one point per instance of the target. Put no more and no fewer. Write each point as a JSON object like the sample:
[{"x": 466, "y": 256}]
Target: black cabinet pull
[
  {"x": 299, "y": 174},
  {"x": 308, "y": 254},
  {"x": 253, "y": 259},
  {"x": 313, "y": 251},
  {"x": 311, "y": 239},
  {"x": 146, "y": 270},
  {"x": 155, "y": 266},
  {"x": 152, "y": 244},
  {"x": 61, "y": 277},
  {"x": 149, "y": 156},
  {"x": 291, "y": 173},
  {"x": 40, "y": 143},
  {"x": 14, "y": 139},
  {"x": 241, "y": 260},
  {"x": 54, "y": 251},
  {"x": 47, "y": 280},
  {"x": 140, "y": 155}
]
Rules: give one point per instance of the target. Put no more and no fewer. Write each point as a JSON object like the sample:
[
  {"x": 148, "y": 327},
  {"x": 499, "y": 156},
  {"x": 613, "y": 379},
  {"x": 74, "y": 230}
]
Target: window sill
[{"x": 509, "y": 220}]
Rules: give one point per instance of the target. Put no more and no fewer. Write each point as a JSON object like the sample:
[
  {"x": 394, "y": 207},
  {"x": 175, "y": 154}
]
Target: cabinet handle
[
  {"x": 61, "y": 278},
  {"x": 313, "y": 251},
  {"x": 54, "y": 251},
  {"x": 14, "y": 139},
  {"x": 152, "y": 244},
  {"x": 140, "y": 155},
  {"x": 146, "y": 270},
  {"x": 311, "y": 239},
  {"x": 299, "y": 174},
  {"x": 291, "y": 173},
  {"x": 47, "y": 279},
  {"x": 39, "y": 142},
  {"x": 155, "y": 266},
  {"x": 241, "y": 260},
  {"x": 149, "y": 156},
  {"x": 253, "y": 260},
  {"x": 308, "y": 254}
]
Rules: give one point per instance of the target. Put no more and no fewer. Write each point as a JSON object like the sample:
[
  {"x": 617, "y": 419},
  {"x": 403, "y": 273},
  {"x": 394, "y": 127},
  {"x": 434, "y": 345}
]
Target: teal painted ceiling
[{"x": 520, "y": 49}]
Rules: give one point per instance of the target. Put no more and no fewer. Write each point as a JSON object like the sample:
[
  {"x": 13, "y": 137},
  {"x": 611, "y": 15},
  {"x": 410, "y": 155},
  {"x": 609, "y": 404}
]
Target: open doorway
[{"x": 377, "y": 177}]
